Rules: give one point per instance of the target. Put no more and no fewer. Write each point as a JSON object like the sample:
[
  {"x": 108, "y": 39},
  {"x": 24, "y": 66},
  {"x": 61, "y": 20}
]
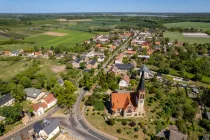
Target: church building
[{"x": 129, "y": 104}]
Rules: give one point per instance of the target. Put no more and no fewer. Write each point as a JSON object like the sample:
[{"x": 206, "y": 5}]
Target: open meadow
[
  {"x": 176, "y": 35},
  {"x": 67, "y": 38},
  {"x": 197, "y": 25}
]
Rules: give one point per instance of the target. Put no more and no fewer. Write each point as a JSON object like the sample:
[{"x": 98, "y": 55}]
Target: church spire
[{"x": 141, "y": 86}]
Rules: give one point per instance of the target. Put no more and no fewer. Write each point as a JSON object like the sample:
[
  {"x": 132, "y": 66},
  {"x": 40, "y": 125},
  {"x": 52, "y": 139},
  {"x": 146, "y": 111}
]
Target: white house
[
  {"x": 100, "y": 59},
  {"x": 39, "y": 108},
  {"x": 6, "y": 100},
  {"x": 47, "y": 129},
  {"x": 50, "y": 100},
  {"x": 33, "y": 94},
  {"x": 124, "y": 82}
]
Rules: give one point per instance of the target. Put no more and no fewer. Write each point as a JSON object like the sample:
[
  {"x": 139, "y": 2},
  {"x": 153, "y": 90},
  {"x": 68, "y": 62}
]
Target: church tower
[{"x": 141, "y": 96}]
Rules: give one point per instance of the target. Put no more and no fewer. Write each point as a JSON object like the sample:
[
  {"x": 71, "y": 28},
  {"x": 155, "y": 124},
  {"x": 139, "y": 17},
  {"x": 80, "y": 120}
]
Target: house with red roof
[
  {"x": 130, "y": 52},
  {"x": 7, "y": 52},
  {"x": 119, "y": 59},
  {"x": 39, "y": 108},
  {"x": 145, "y": 45},
  {"x": 50, "y": 100}
]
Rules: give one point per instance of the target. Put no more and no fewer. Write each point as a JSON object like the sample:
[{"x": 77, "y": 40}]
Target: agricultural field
[
  {"x": 196, "y": 25},
  {"x": 16, "y": 46},
  {"x": 67, "y": 38},
  {"x": 2, "y": 38},
  {"x": 176, "y": 35}
]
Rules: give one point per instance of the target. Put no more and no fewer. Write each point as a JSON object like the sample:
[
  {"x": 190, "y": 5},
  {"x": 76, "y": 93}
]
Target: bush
[
  {"x": 118, "y": 130},
  {"x": 136, "y": 136},
  {"x": 136, "y": 129},
  {"x": 124, "y": 123},
  {"x": 132, "y": 124},
  {"x": 111, "y": 122}
]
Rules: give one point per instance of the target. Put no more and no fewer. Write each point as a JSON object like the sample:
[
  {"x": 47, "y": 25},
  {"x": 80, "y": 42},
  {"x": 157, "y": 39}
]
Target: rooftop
[
  {"x": 32, "y": 92},
  {"x": 5, "y": 98}
]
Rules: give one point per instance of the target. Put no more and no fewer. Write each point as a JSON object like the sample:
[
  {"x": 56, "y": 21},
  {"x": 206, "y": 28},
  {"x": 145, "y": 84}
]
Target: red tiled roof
[
  {"x": 121, "y": 100},
  {"x": 157, "y": 43},
  {"x": 130, "y": 52},
  {"x": 145, "y": 44},
  {"x": 7, "y": 52},
  {"x": 98, "y": 45},
  {"x": 113, "y": 47},
  {"x": 119, "y": 57},
  {"x": 38, "y": 105},
  {"x": 49, "y": 98},
  {"x": 37, "y": 53}
]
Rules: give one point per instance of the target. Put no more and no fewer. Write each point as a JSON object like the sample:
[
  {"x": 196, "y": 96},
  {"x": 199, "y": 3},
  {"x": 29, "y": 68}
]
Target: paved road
[
  {"x": 122, "y": 48},
  {"x": 23, "y": 131}
]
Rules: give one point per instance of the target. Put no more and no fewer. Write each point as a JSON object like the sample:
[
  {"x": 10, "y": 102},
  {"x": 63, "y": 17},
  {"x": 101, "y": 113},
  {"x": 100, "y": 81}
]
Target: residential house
[
  {"x": 130, "y": 53},
  {"x": 7, "y": 52},
  {"x": 99, "y": 46},
  {"x": 172, "y": 133},
  {"x": 33, "y": 94},
  {"x": 147, "y": 72},
  {"x": 129, "y": 104},
  {"x": 207, "y": 115},
  {"x": 14, "y": 53},
  {"x": 39, "y": 108},
  {"x": 130, "y": 48},
  {"x": 124, "y": 67},
  {"x": 50, "y": 100},
  {"x": 38, "y": 54},
  {"x": 76, "y": 62},
  {"x": 149, "y": 51},
  {"x": 100, "y": 59},
  {"x": 157, "y": 43},
  {"x": 144, "y": 56},
  {"x": 6, "y": 100},
  {"x": 145, "y": 45},
  {"x": 119, "y": 59},
  {"x": 47, "y": 129},
  {"x": 113, "y": 69},
  {"x": 117, "y": 42},
  {"x": 124, "y": 82},
  {"x": 92, "y": 64},
  {"x": 112, "y": 48}
]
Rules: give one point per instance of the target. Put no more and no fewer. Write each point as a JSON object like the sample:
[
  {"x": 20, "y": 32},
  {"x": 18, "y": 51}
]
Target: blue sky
[{"x": 58, "y": 6}]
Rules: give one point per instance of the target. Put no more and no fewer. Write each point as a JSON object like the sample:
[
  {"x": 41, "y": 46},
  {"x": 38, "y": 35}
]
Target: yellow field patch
[{"x": 55, "y": 34}]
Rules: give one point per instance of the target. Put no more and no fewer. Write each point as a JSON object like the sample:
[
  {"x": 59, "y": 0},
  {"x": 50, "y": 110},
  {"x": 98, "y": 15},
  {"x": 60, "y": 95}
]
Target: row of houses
[
  {"x": 41, "y": 101},
  {"x": 38, "y": 54}
]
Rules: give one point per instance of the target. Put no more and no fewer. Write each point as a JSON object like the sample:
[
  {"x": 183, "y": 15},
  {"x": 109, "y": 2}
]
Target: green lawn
[
  {"x": 197, "y": 25},
  {"x": 99, "y": 105},
  {"x": 16, "y": 46},
  {"x": 176, "y": 35},
  {"x": 2, "y": 38},
  {"x": 10, "y": 69},
  {"x": 69, "y": 40}
]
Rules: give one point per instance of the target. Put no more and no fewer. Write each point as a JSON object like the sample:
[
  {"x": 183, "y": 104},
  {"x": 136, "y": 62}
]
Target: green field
[
  {"x": 2, "y": 38},
  {"x": 197, "y": 25},
  {"x": 180, "y": 37},
  {"x": 16, "y": 46},
  {"x": 69, "y": 40}
]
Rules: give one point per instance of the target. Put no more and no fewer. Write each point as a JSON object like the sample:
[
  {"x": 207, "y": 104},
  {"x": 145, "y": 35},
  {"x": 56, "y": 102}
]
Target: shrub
[
  {"x": 136, "y": 129},
  {"x": 136, "y": 136},
  {"x": 93, "y": 113},
  {"x": 132, "y": 124},
  {"x": 118, "y": 130},
  {"x": 124, "y": 123},
  {"x": 111, "y": 122}
]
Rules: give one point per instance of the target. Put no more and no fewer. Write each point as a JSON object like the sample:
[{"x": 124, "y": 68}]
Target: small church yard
[{"x": 161, "y": 97}]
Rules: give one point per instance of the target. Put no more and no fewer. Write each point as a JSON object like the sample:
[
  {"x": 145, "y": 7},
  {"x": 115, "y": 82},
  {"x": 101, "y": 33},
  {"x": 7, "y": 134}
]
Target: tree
[
  {"x": 82, "y": 65},
  {"x": 181, "y": 125},
  {"x": 1, "y": 129},
  {"x": 124, "y": 122},
  {"x": 111, "y": 122},
  {"x": 198, "y": 77},
  {"x": 18, "y": 93},
  {"x": 119, "y": 130},
  {"x": 26, "y": 82},
  {"x": 65, "y": 94}
]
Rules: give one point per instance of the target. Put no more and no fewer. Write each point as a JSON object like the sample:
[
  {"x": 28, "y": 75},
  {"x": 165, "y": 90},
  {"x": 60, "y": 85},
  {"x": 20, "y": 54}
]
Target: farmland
[
  {"x": 68, "y": 40},
  {"x": 196, "y": 25},
  {"x": 176, "y": 35}
]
